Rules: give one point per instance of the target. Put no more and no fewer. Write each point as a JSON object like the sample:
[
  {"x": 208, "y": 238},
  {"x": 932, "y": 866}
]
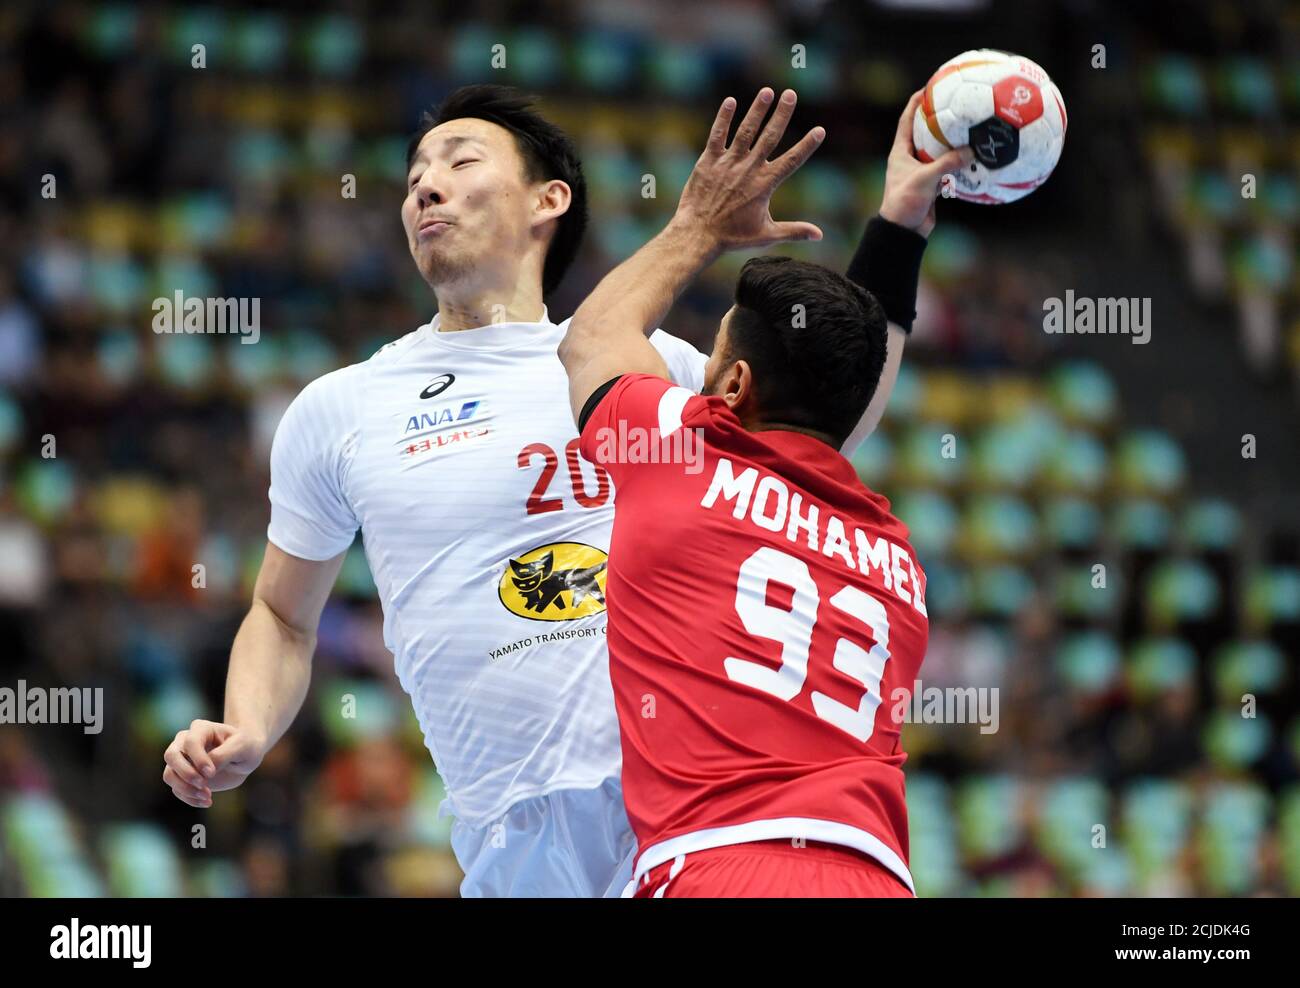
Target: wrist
[
  {"x": 693, "y": 238},
  {"x": 256, "y": 736},
  {"x": 899, "y": 217},
  {"x": 887, "y": 263}
]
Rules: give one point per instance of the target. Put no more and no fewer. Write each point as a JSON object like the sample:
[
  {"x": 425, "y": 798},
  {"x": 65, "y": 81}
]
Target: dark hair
[
  {"x": 548, "y": 153},
  {"x": 818, "y": 372}
]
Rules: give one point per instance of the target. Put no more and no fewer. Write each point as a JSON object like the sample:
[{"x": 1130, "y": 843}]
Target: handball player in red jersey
[{"x": 766, "y": 611}]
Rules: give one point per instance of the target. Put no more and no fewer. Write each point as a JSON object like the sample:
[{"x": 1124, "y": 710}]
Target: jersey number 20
[
  {"x": 793, "y": 629},
  {"x": 538, "y": 503}
]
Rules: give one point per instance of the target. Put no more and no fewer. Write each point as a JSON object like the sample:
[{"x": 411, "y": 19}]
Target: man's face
[{"x": 468, "y": 202}]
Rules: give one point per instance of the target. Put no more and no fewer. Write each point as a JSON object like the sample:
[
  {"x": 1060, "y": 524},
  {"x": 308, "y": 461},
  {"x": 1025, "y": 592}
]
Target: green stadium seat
[
  {"x": 1071, "y": 523},
  {"x": 1088, "y": 661},
  {"x": 1179, "y": 590},
  {"x": 1247, "y": 667},
  {"x": 141, "y": 861},
  {"x": 988, "y": 814},
  {"x": 40, "y": 838},
  {"x": 1155, "y": 665}
]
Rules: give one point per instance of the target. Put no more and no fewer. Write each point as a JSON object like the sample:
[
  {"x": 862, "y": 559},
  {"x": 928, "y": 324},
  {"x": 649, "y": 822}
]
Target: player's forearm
[
  {"x": 270, "y": 669},
  {"x": 896, "y": 342},
  {"x": 887, "y": 263},
  {"x": 634, "y": 297}
]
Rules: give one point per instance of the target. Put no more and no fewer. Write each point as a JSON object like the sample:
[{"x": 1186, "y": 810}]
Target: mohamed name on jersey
[{"x": 766, "y": 502}]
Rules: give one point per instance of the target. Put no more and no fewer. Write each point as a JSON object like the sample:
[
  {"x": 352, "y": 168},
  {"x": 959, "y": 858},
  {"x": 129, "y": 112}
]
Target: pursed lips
[{"x": 431, "y": 227}]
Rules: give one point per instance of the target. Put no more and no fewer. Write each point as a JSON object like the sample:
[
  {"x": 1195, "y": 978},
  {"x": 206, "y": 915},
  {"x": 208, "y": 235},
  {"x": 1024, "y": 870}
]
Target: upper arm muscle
[
  {"x": 296, "y": 589},
  {"x": 630, "y": 355}
]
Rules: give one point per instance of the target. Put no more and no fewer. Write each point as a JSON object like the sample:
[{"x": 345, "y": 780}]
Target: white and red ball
[{"x": 1009, "y": 112}]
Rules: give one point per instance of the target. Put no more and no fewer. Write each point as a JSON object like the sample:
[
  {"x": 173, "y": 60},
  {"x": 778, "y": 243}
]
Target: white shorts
[{"x": 573, "y": 843}]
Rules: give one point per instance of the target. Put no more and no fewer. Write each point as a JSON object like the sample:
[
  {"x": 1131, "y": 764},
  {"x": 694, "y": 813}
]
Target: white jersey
[{"x": 486, "y": 532}]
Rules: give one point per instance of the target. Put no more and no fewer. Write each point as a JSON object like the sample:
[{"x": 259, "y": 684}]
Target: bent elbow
[{"x": 572, "y": 346}]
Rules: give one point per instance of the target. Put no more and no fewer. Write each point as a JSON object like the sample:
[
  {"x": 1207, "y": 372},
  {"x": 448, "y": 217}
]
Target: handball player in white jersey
[{"x": 453, "y": 451}]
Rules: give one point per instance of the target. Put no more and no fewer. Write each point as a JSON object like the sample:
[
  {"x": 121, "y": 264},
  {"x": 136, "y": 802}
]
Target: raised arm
[
  {"x": 887, "y": 262},
  {"x": 724, "y": 206}
]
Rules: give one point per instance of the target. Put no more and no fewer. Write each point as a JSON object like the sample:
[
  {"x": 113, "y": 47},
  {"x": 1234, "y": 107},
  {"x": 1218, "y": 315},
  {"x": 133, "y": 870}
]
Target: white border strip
[
  {"x": 827, "y": 831},
  {"x": 671, "y": 405}
]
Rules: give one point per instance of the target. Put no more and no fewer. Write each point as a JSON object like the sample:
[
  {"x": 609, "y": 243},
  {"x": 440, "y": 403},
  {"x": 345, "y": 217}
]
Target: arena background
[{"x": 1161, "y": 707}]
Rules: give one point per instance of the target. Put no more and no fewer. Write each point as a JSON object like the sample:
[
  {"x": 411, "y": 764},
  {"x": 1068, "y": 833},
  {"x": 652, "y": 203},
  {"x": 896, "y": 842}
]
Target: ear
[
  {"x": 553, "y": 200},
  {"x": 736, "y": 388}
]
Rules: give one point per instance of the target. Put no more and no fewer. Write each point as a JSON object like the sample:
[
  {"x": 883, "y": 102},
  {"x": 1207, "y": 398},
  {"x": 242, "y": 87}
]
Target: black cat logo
[
  {"x": 542, "y": 585},
  {"x": 534, "y": 585}
]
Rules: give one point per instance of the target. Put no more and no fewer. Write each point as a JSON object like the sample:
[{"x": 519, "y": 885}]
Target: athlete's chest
[{"x": 465, "y": 445}]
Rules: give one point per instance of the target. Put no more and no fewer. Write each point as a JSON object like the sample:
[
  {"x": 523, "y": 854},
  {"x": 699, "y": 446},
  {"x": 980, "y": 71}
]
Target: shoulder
[
  {"x": 652, "y": 401},
  {"x": 395, "y": 351},
  {"x": 670, "y": 347},
  {"x": 391, "y": 352},
  {"x": 342, "y": 388},
  {"x": 668, "y": 344},
  {"x": 324, "y": 414},
  {"x": 330, "y": 391},
  {"x": 685, "y": 363}
]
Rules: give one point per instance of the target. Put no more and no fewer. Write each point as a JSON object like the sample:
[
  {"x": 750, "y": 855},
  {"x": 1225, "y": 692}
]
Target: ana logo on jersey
[
  {"x": 440, "y": 417},
  {"x": 433, "y": 431},
  {"x": 556, "y": 582},
  {"x": 438, "y": 385}
]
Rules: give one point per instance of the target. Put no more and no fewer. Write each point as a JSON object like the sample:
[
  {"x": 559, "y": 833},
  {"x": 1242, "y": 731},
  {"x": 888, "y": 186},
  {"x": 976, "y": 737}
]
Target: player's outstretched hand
[
  {"x": 911, "y": 186},
  {"x": 209, "y": 757},
  {"x": 727, "y": 195}
]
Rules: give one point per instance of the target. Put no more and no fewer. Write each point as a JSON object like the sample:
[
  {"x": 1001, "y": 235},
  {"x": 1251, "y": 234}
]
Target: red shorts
[{"x": 772, "y": 869}]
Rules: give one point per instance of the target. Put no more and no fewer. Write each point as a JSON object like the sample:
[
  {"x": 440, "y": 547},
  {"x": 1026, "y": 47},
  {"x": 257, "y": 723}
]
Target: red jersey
[{"x": 766, "y": 624}]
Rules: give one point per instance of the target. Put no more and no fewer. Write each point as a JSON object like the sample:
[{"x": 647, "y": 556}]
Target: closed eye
[{"x": 415, "y": 179}]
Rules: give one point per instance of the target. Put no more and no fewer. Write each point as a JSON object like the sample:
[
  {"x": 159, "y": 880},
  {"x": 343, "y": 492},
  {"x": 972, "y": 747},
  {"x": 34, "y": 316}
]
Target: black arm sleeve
[
  {"x": 887, "y": 263},
  {"x": 590, "y": 406}
]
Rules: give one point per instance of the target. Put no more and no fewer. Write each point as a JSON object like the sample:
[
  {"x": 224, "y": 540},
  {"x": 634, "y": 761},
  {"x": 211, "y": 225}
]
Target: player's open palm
[
  {"x": 911, "y": 185},
  {"x": 209, "y": 757},
  {"x": 729, "y": 191}
]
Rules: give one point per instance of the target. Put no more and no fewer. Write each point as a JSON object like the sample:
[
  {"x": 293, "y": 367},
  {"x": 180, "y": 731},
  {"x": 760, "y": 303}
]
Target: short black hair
[
  {"x": 816, "y": 366},
  {"x": 548, "y": 153}
]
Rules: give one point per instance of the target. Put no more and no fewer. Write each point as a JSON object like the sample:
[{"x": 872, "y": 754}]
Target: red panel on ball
[{"x": 1017, "y": 101}]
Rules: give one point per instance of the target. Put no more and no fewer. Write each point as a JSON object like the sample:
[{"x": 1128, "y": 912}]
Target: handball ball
[{"x": 1009, "y": 112}]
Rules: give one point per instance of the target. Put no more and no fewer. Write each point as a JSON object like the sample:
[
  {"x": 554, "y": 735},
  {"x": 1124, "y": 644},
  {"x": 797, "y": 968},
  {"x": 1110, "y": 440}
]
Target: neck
[
  {"x": 470, "y": 311},
  {"x": 787, "y": 427},
  {"x": 751, "y": 421}
]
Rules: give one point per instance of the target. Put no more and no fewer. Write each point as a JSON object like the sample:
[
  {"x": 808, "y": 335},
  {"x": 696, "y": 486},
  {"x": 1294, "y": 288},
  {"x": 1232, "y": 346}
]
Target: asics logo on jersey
[
  {"x": 438, "y": 385},
  {"x": 556, "y": 582}
]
